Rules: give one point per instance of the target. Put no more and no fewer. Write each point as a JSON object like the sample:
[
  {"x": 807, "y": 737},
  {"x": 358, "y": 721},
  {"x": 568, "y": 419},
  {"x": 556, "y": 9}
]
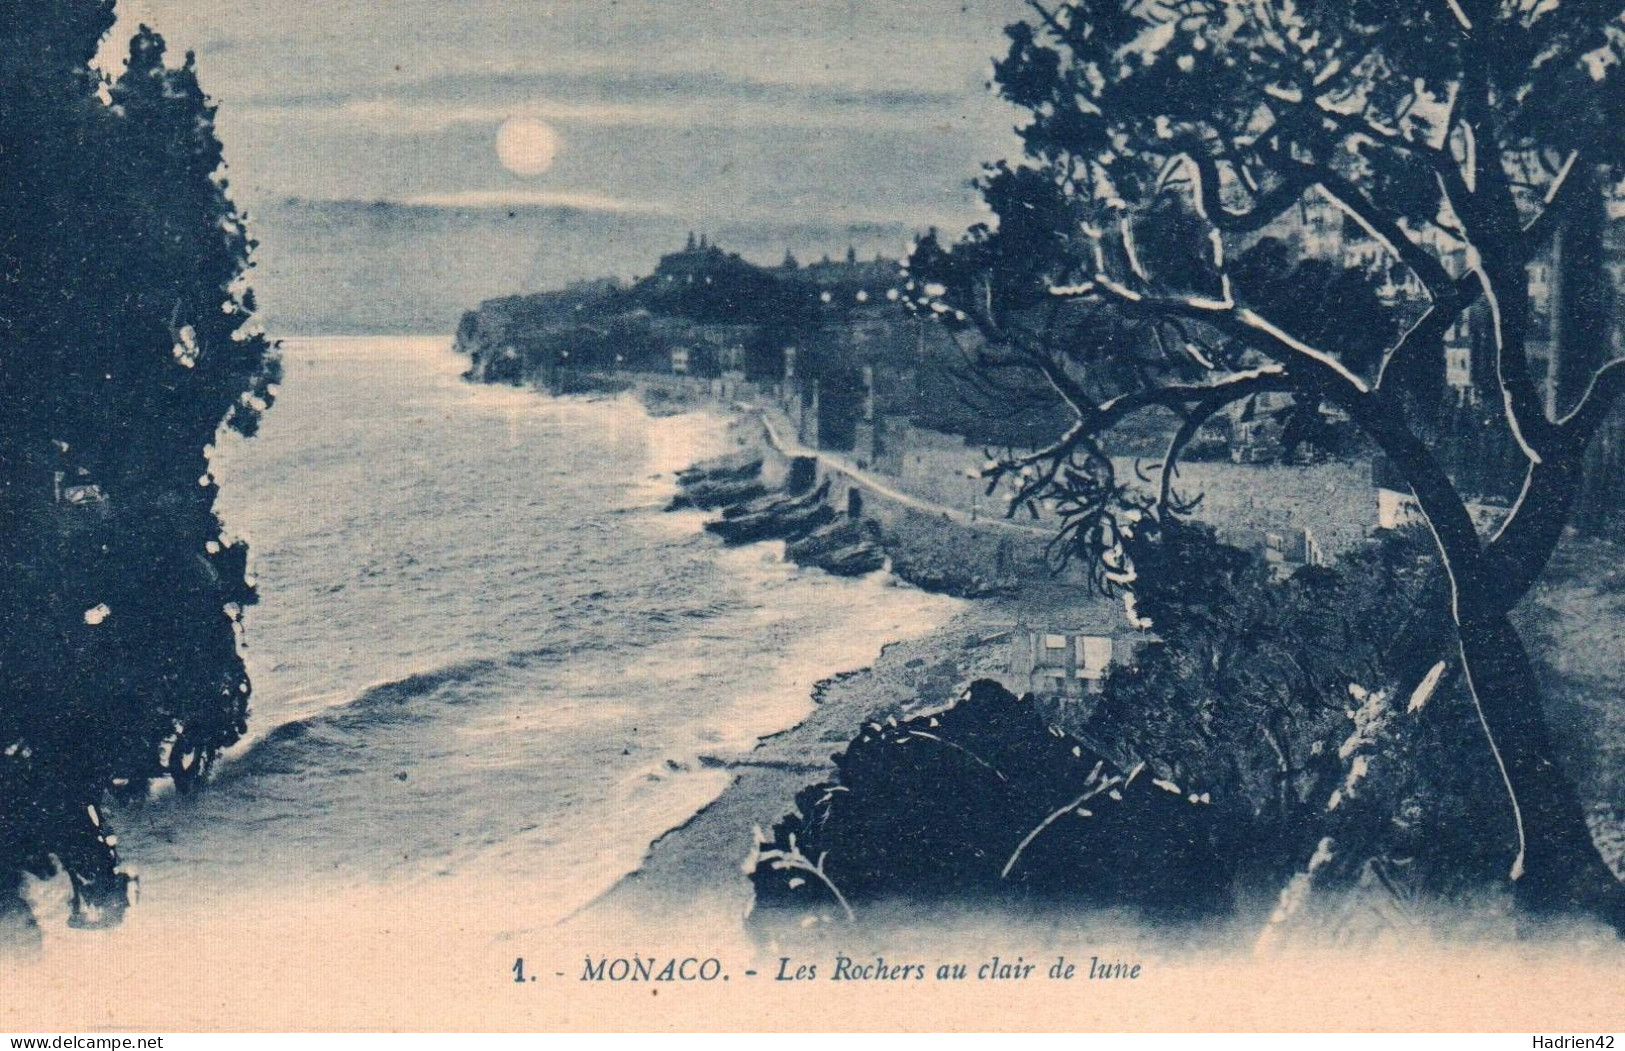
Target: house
[
  {"x": 1458, "y": 358},
  {"x": 727, "y": 344},
  {"x": 76, "y": 494},
  {"x": 1071, "y": 659},
  {"x": 1288, "y": 551},
  {"x": 1256, "y": 428}
]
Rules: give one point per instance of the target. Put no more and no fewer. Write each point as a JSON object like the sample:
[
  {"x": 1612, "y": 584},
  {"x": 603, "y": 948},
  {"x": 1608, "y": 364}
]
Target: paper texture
[{"x": 891, "y": 515}]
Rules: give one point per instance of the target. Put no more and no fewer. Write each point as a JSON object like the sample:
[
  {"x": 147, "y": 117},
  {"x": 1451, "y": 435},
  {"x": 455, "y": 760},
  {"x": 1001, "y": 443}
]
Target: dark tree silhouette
[
  {"x": 1249, "y": 690},
  {"x": 1458, "y": 135},
  {"x": 124, "y": 347}
]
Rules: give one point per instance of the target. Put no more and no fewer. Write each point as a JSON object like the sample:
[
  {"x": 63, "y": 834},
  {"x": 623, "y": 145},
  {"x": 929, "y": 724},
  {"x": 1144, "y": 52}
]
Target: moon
[{"x": 526, "y": 146}]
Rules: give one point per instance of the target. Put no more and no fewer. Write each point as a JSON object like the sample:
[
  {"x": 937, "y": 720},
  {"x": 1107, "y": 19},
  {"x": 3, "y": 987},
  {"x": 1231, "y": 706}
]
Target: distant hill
[
  {"x": 705, "y": 311},
  {"x": 357, "y": 268}
]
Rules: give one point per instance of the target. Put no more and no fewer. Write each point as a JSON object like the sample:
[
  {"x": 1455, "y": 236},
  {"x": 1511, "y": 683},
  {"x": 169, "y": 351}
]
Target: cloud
[
  {"x": 403, "y": 117},
  {"x": 612, "y": 98},
  {"x": 614, "y": 83},
  {"x": 822, "y": 225},
  {"x": 414, "y": 116},
  {"x": 498, "y": 199}
]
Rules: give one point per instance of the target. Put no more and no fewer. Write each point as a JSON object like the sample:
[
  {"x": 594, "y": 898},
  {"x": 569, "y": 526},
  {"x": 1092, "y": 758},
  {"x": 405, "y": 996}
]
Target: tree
[
  {"x": 1457, "y": 135},
  {"x": 125, "y": 344},
  {"x": 1248, "y": 693}
]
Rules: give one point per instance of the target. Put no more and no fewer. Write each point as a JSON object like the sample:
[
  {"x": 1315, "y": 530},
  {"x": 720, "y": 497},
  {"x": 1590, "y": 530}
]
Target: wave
[
  {"x": 529, "y": 682},
  {"x": 382, "y": 706}
]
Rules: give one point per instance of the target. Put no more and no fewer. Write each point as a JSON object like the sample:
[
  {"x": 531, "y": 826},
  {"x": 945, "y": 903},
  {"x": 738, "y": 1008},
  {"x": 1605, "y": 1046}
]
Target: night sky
[{"x": 773, "y": 124}]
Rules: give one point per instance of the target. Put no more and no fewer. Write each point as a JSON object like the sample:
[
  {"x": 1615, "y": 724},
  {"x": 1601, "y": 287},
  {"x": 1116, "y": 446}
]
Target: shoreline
[
  {"x": 696, "y": 869},
  {"x": 693, "y": 876}
]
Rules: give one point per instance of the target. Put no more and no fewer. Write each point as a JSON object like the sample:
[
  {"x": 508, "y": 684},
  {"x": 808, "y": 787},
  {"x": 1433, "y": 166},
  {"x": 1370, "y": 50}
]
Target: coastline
[{"x": 696, "y": 869}]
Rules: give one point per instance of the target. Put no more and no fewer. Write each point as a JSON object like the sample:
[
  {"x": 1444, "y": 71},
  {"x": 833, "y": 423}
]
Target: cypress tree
[{"x": 126, "y": 344}]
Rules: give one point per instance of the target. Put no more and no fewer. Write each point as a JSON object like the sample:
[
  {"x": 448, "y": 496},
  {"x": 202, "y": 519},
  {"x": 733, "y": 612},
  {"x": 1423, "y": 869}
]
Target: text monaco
[{"x": 654, "y": 969}]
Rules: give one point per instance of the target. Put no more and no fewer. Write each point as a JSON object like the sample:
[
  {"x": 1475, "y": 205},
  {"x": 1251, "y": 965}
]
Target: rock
[
  {"x": 854, "y": 561},
  {"x": 983, "y": 801},
  {"x": 707, "y": 494},
  {"x": 725, "y": 480},
  {"x": 781, "y": 523},
  {"x": 833, "y": 537},
  {"x": 735, "y": 467},
  {"x": 933, "y": 571},
  {"x": 771, "y": 503},
  {"x": 775, "y": 518}
]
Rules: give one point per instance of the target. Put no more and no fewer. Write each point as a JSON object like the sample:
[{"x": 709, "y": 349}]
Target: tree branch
[
  {"x": 1316, "y": 367},
  {"x": 1604, "y": 390},
  {"x": 1442, "y": 506},
  {"x": 1200, "y": 415},
  {"x": 1460, "y": 15},
  {"x": 1496, "y": 235},
  {"x": 1448, "y": 294},
  {"x": 1267, "y": 207},
  {"x": 1432, "y": 325},
  {"x": 1176, "y": 396},
  {"x": 1054, "y": 374},
  {"x": 1384, "y": 228},
  {"x": 1438, "y": 159},
  {"x": 1520, "y": 549},
  {"x": 1557, "y": 198}
]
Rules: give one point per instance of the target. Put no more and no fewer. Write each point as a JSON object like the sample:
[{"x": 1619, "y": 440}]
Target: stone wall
[
  {"x": 1336, "y": 501},
  {"x": 926, "y": 545}
]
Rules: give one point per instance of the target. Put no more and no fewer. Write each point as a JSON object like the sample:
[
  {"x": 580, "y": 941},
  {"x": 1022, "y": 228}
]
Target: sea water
[{"x": 486, "y": 660}]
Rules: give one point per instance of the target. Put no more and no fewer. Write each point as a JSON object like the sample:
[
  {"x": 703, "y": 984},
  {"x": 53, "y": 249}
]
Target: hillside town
[
  {"x": 831, "y": 359},
  {"x": 850, "y": 372}
]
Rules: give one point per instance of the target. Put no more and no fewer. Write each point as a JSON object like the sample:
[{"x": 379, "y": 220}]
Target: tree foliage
[
  {"x": 126, "y": 343},
  {"x": 1127, "y": 273},
  {"x": 1247, "y": 696}
]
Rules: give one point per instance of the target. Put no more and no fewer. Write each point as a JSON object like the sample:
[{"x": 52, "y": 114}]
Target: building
[
  {"x": 851, "y": 276},
  {"x": 77, "y": 493},
  {"x": 1284, "y": 548},
  {"x": 727, "y": 344},
  {"x": 1066, "y": 662},
  {"x": 1069, "y": 660}
]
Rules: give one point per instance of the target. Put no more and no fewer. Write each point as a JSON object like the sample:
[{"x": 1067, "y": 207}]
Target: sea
[{"x": 486, "y": 661}]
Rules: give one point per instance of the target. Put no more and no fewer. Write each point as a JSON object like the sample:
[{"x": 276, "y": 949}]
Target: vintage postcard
[{"x": 786, "y": 515}]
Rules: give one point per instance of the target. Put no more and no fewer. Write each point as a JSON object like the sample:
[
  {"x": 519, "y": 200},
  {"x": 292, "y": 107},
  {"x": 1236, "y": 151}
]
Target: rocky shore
[
  {"x": 700, "y": 869},
  {"x": 828, "y": 520},
  {"x": 697, "y": 870},
  {"x": 753, "y": 509}
]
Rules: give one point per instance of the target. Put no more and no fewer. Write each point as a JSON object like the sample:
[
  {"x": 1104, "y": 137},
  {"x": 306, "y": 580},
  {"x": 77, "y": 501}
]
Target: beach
[{"x": 697, "y": 868}]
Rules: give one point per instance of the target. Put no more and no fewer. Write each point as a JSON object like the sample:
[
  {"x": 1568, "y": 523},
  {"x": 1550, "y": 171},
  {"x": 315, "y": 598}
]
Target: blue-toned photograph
[{"x": 775, "y": 515}]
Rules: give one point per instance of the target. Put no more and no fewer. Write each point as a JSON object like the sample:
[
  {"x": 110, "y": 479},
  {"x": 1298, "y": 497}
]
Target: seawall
[{"x": 933, "y": 547}]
